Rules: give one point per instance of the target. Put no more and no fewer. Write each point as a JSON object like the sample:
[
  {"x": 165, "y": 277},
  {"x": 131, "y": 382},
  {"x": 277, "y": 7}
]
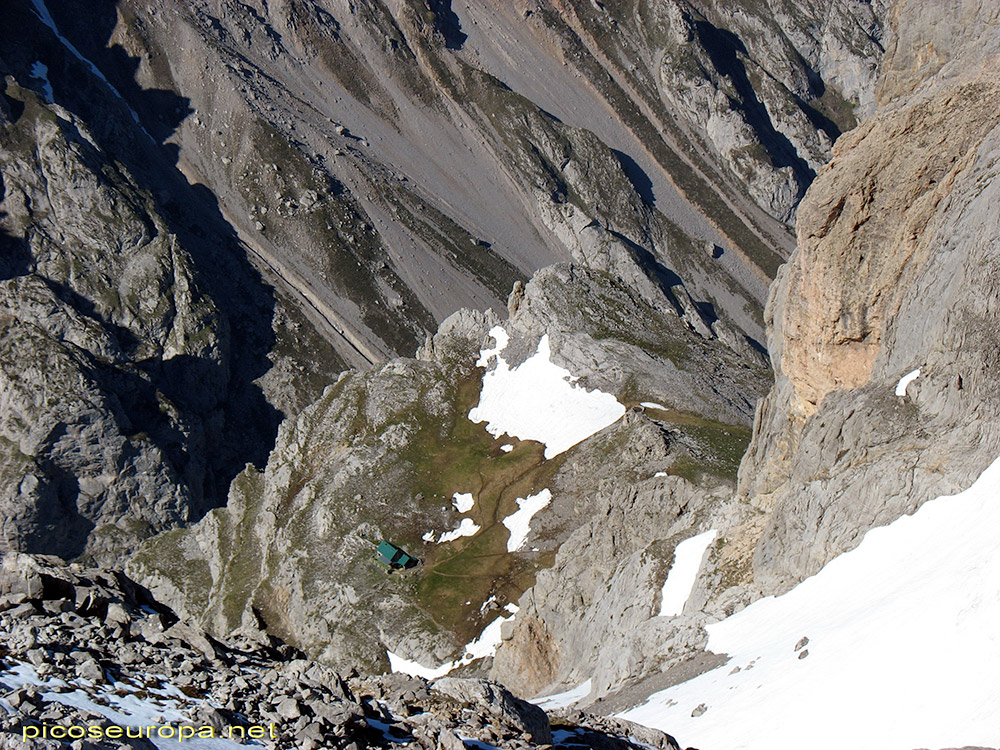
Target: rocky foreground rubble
[{"x": 90, "y": 649}]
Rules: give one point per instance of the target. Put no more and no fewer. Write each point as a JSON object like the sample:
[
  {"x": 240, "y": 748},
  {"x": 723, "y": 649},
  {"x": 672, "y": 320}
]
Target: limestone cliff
[{"x": 895, "y": 270}]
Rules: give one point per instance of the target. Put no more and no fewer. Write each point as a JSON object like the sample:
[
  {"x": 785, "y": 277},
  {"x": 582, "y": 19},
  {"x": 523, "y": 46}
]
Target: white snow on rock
[
  {"x": 165, "y": 708},
  {"x": 562, "y": 700},
  {"x": 660, "y": 474},
  {"x": 905, "y": 381},
  {"x": 519, "y": 522},
  {"x": 903, "y": 647},
  {"x": 537, "y": 400},
  {"x": 683, "y": 573},
  {"x": 485, "y": 645},
  {"x": 467, "y": 527},
  {"x": 415, "y": 669},
  {"x": 653, "y": 405},
  {"x": 463, "y": 501},
  {"x": 507, "y": 448},
  {"x": 41, "y": 70},
  {"x": 42, "y": 12},
  {"x": 428, "y": 537}
]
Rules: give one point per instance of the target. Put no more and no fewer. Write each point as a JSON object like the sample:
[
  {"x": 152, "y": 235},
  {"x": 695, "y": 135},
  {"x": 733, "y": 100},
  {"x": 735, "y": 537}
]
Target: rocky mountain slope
[
  {"x": 553, "y": 457},
  {"x": 278, "y": 159},
  {"x": 882, "y": 337}
]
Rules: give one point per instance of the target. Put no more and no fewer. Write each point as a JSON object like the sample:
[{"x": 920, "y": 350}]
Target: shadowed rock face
[{"x": 123, "y": 380}]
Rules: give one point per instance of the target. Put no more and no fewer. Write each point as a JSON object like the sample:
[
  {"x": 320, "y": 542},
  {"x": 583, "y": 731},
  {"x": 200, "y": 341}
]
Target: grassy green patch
[{"x": 457, "y": 577}]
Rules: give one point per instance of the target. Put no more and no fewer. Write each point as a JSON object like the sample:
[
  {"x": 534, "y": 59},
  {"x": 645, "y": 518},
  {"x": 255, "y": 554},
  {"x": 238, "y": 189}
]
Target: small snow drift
[
  {"x": 903, "y": 647},
  {"x": 519, "y": 522},
  {"x": 563, "y": 700},
  {"x": 140, "y": 707},
  {"x": 463, "y": 501},
  {"x": 465, "y": 528},
  {"x": 483, "y": 646},
  {"x": 683, "y": 573},
  {"x": 905, "y": 381},
  {"x": 537, "y": 400}
]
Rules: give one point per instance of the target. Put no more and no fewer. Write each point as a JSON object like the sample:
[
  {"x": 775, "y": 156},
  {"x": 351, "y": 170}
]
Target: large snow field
[
  {"x": 903, "y": 651},
  {"x": 538, "y": 400}
]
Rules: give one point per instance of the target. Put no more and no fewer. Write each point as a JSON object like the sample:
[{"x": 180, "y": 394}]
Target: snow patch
[
  {"x": 660, "y": 474},
  {"x": 562, "y": 700},
  {"x": 905, "y": 381},
  {"x": 683, "y": 573},
  {"x": 120, "y": 704},
  {"x": 507, "y": 448},
  {"x": 463, "y": 501},
  {"x": 42, "y": 12},
  {"x": 41, "y": 70},
  {"x": 903, "y": 647},
  {"x": 466, "y": 528},
  {"x": 415, "y": 669},
  {"x": 653, "y": 405},
  {"x": 537, "y": 400},
  {"x": 519, "y": 522},
  {"x": 485, "y": 645}
]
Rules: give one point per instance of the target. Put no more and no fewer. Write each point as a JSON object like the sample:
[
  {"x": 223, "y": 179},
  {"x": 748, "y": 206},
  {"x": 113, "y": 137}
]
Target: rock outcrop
[
  {"x": 119, "y": 384},
  {"x": 770, "y": 88}
]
